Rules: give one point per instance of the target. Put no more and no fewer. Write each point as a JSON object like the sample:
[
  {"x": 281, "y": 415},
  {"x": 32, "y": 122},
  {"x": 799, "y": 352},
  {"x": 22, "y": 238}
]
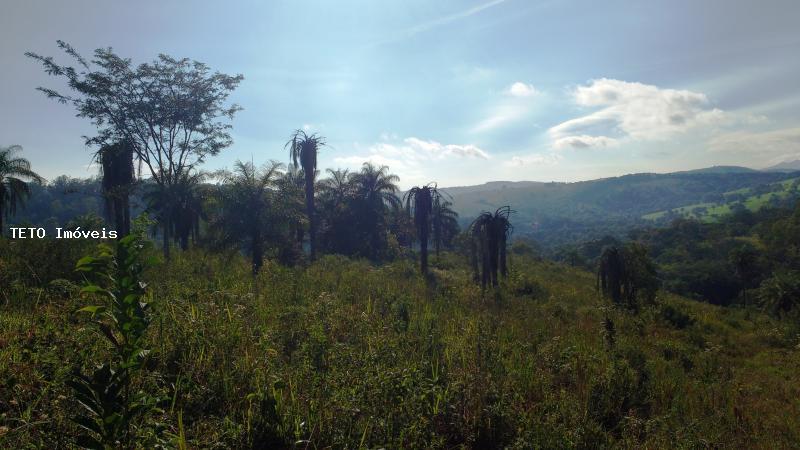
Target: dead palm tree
[
  {"x": 116, "y": 165},
  {"x": 303, "y": 150},
  {"x": 420, "y": 200},
  {"x": 14, "y": 190}
]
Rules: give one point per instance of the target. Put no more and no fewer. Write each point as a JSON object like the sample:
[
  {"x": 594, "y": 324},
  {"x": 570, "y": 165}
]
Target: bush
[
  {"x": 780, "y": 294},
  {"x": 675, "y": 317}
]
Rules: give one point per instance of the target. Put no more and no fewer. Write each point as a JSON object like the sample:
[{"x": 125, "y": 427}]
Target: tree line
[{"x": 158, "y": 122}]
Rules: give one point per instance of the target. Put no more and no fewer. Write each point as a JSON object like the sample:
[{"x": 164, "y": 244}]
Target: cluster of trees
[
  {"x": 748, "y": 258},
  {"x": 168, "y": 116}
]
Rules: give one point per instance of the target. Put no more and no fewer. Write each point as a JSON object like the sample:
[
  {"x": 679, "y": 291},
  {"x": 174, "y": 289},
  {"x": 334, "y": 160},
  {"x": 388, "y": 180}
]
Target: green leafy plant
[{"x": 110, "y": 409}]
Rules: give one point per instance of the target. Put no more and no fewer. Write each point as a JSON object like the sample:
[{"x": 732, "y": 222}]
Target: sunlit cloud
[
  {"x": 632, "y": 111},
  {"x": 520, "y": 89}
]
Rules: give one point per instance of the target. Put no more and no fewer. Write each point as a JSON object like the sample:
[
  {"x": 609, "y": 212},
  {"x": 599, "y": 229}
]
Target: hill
[
  {"x": 751, "y": 199},
  {"x": 558, "y": 213},
  {"x": 786, "y": 166}
]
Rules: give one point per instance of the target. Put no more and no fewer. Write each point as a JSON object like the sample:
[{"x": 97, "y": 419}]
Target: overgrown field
[{"x": 344, "y": 354}]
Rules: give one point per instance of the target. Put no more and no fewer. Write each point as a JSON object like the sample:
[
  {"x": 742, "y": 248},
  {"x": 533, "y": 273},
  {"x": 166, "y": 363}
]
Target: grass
[
  {"x": 713, "y": 212},
  {"x": 346, "y": 354}
]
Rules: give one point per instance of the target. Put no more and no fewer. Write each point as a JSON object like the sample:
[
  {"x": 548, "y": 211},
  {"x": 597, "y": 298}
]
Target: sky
[{"x": 456, "y": 92}]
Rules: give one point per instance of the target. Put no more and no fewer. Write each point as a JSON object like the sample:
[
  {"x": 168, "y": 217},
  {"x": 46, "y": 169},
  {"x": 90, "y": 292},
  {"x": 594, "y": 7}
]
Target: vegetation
[
  {"x": 344, "y": 353},
  {"x": 752, "y": 199},
  {"x": 303, "y": 149},
  {"x": 488, "y": 236},
  {"x": 14, "y": 172},
  {"x": 559, "y": 214},
  {"x": 167, "y": 111},
  {"x": 421, "y": 201},
  {"x": 239, "y": 340},
  {"x": 116, "y": 162}
]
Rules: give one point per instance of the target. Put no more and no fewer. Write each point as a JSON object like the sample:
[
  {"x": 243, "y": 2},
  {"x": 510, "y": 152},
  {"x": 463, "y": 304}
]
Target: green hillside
[
  {"x": 752, "y": 199},
  {"x": 344, "y": 354},
  {"x": 561, "y": 213}
]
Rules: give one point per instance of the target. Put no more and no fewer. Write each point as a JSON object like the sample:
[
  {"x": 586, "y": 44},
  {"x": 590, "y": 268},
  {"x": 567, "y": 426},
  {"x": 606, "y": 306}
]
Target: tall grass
[{"x": 346, "y": 354}]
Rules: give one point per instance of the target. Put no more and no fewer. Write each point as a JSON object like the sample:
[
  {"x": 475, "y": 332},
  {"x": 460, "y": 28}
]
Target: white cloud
[
  {"x": 633, "y": 110},
  {"x": 520, "y": 89},
  {"x": 779, "y": 145},
  {"x": 584, "y": 141},
  {"x": 539, "y": 159},
  {"x": 415, "y": 159}
]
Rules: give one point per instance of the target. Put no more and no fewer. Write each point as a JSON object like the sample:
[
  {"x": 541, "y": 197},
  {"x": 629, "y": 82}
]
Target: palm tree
[
  {"x": 303, "y": 149},
  {"x": 421, "y": 201},
  {"x": 187, "y": 211},
  {"x": 247, "y": 203},
  {"x": 116, "y": 165},
  {"x": 338, "y": 186},
  {"x": 14, "y": 190},
  {"x": 291, "y": 187},
  {"x": 444, "y": 222},
  {"x": 375, "y": 190},
  {"x": 489, "y": 237}
]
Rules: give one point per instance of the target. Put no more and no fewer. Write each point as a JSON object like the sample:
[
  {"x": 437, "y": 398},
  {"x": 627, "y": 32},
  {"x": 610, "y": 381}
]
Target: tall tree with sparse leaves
[{"x": 169, "y": 110}]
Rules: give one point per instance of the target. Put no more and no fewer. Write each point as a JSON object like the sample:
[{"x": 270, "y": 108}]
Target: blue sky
[{"x": 459, "y": 92}]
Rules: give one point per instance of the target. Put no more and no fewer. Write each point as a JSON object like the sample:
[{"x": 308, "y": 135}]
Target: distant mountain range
[
  {"x": 557, "y": 213},
  {"x": 786, "y": 166}
]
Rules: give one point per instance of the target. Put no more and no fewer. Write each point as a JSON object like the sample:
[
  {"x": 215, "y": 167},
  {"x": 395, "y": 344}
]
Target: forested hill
[{"x": 557, "y": 213}]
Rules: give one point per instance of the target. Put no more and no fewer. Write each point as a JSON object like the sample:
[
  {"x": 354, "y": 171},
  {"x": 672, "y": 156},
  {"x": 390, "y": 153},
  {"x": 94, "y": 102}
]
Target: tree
[
  {"x": 627, "y": 276},
  {"x": 780, "y": 294},
  {"x": 14, "y": 190},
  {"x": 187, "y": 208},
  {"x": 420, "y": 200},
  {"x": 168, "y": 110},
  {"x": 303, "y": 149},
  {"x": 444, "y": 222},
  {"x": 612, "y": 278},
  {"x": 246, "y": 215},
  {"x": 116, "y": 165},
  {"x": 375, "y": 191},
  {"x": 488, "y": 242},
  {"x": 745, "y": 263}
]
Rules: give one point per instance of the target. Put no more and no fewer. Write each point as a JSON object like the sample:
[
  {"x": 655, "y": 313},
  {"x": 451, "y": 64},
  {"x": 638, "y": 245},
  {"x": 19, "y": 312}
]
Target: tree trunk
[
  {"x": 503, "y": 265},
  {"x": 119, "y": 217},
  {"x": 474, "y": 260},
  {"x": 423, "y": 250},
  {"x": 165, "y": 241},
  {"x": 312, "y": 222},
  {"x": 258, "y": 254},
  {"x": 126, "y": 217}
]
